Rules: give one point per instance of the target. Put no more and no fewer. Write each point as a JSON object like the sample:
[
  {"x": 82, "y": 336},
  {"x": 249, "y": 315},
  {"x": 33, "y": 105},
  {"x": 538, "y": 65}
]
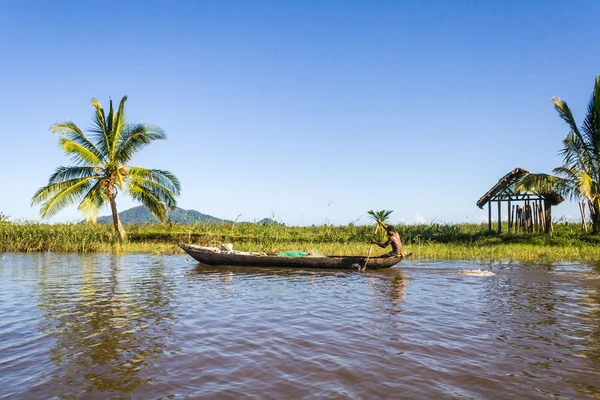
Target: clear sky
[{"x": 308, "y": 112}]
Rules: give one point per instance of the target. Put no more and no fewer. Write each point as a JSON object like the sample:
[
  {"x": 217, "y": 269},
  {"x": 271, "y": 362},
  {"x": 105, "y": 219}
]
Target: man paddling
[{"x": 393, "y": 239}]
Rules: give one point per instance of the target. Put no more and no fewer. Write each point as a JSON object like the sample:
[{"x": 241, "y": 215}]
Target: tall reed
[{"x": 446, "y": 241}]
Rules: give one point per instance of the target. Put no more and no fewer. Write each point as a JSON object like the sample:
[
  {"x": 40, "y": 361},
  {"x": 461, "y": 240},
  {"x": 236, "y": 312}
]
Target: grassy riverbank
[{"x": 430, "y": 241}]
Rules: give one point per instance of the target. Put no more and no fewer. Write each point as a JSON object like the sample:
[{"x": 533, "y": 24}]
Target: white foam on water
[{"x": 476, "y": 272}]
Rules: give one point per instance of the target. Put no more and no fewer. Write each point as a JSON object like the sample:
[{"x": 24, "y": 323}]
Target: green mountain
[{"x": 140, "y": 216}]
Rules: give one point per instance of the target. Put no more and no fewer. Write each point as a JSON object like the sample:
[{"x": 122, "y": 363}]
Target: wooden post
[
  {"x": 541, "y": 215},
  {"x": 490, "y": 216},
  {"x": 528, "y": 215},
  {"x": 499, "y": 216},
  {"x": 535, "y": 216},
  {"x": 513, "y": 217},
  {"x": 509, "y": 215}
]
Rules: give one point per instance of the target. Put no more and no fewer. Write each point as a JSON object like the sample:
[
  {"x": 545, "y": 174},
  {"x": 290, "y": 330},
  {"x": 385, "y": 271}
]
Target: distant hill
[
  {"x": 141, "y": 215},
  {"x": 267, "y": 221}
]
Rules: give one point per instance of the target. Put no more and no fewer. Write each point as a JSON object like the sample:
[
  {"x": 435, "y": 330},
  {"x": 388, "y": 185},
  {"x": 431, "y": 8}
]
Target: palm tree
[
  {"x": 102, "y": 168},
  {"x": 579, "y": 176}
]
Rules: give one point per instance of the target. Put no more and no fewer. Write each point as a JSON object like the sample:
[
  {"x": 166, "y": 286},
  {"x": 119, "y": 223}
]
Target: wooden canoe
[{"x": 333, "y": 262}]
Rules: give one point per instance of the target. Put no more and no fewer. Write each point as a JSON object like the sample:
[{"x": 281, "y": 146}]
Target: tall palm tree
[
  {"x": 579, "y": 176},
  {"x": 102, "y": 168}
]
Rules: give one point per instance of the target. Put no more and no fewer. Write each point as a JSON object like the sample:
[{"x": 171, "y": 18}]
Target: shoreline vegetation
[{"x": 567, "y": 242}]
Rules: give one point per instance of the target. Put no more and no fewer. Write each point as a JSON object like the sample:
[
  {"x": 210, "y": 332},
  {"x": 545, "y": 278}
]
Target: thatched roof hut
[{"x": 536, "y": 210}]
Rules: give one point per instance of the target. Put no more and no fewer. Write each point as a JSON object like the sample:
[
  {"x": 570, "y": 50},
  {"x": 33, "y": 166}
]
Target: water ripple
[{"x": 144, "y": 326}]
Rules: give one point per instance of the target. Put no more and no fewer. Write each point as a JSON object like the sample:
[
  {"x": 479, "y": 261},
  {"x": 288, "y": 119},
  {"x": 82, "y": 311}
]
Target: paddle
[{"x": 370, "y": 247}]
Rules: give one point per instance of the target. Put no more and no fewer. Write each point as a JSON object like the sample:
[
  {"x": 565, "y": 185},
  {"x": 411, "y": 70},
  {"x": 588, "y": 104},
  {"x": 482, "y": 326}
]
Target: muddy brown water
[{"x": 155, "y": 327}]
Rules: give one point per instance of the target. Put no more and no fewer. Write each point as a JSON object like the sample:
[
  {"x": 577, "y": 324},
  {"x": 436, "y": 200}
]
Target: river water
[{"x": 154, "y": 327}]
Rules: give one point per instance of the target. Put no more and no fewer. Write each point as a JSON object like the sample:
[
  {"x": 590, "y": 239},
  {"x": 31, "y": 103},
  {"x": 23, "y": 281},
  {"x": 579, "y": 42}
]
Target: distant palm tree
[
  {"x": 579, "y": 177},
  {"x": 102, "y": 168}
]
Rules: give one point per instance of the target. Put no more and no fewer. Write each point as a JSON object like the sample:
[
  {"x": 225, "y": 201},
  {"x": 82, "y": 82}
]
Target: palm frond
[
  {"x": 169, "y": 180},
  {"x": 72, "y": 132},
  {"x": 92, "y": 202},
  {"x": 89, "y": 210},
  {"x": 109, "y": 120},
  {"x": 69, "y": 173},
  {"x": 135, "y": 137},
  {"x": 160, "y": 189},
  {"x": 52, "y": 188},
  {"x": 591, "y": 123},
  {"x": 589, "y": 126},
  {"x": 596, "y": 97},
  {"x": 97, "y": 194},
  {"x": 565, "y": 113},
  {"x": 585, "y": 186},
  {"x": 99, "y": 128},
  {"x": 566, "y": 183},
  {"x": 60, "y": 195},
  {"x": 544, "y": 184},
  {"x": 575, "y": 151},
  {"x": 536, "y": 183},
  {"x": 159, "y": 176},
  {"x": 118, "y": 126},
  {"x": 67, "y": 128},
  {"x": 79, "y": 154},
  {"x": 569, "y": 173},
  {"x": 149, "y": 198}
]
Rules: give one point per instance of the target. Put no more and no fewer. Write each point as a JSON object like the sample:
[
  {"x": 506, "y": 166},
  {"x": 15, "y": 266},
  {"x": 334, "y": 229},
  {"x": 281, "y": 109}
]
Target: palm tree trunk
[
  {"x": 548, "y": 216},
  {"x": 116, "y": 220},
  {"x": 595, "y": 215}
]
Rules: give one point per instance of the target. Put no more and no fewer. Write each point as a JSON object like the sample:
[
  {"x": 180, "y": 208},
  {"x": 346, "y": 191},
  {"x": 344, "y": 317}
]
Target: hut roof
[
  {"x": 505, "y": 189},
  {"x": 503, "y": 184}
]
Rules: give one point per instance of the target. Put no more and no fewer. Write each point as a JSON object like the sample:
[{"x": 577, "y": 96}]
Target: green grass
[{"x": 568, "y": 242}]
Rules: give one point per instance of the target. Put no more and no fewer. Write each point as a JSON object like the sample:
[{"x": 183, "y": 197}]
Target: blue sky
[{"x": 310, "y": 112}]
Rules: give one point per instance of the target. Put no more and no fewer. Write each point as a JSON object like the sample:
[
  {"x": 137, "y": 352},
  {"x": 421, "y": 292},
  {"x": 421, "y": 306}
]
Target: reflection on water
[
  {"x": 141, "y": 326},
  {"x": 107, "y": 323}
]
